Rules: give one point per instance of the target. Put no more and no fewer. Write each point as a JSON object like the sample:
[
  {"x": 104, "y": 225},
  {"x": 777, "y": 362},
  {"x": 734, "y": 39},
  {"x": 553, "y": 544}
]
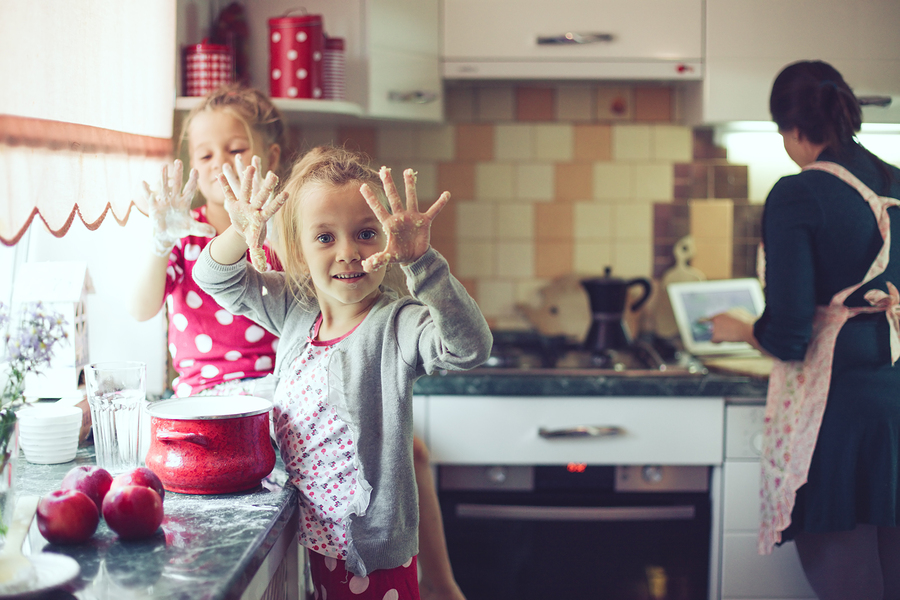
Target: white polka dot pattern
[
  {"x": 224, "y": 317},
  {"x": 203, "y": 343}
]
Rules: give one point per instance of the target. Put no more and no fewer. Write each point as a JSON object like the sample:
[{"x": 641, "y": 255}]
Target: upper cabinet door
[{"x": 748, "y": 42}]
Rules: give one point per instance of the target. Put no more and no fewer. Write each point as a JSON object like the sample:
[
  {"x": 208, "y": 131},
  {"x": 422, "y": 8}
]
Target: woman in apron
[{"x": 831, "y": 250}]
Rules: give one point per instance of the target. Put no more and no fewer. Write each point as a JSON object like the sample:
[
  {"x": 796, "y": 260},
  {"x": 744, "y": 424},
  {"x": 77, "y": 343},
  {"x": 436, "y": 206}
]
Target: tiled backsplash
[{"x": 549, "y": 181}]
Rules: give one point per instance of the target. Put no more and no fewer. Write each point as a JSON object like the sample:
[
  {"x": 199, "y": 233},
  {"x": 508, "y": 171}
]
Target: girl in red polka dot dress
[{"x": 351, "y": 349}]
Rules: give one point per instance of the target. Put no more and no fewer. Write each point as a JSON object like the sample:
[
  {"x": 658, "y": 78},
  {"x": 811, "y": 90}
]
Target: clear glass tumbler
[{"x": 116, "y": 392}]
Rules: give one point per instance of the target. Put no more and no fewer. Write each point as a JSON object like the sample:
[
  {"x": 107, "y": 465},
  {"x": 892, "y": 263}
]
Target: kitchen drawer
[
  {"x": 505, "y": 430},
  {"x": 746, "y": 574},
  {"x": 741, "y": 502}
]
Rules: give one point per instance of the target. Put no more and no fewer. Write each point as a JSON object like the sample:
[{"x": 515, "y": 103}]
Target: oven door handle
[
  {"x": 510, "y": 512},
  {"x": 581, "y": 431}
]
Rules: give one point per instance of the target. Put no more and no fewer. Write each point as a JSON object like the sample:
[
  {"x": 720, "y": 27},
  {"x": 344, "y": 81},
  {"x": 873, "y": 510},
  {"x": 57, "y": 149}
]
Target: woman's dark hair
[{"x": 813, "y": 97}]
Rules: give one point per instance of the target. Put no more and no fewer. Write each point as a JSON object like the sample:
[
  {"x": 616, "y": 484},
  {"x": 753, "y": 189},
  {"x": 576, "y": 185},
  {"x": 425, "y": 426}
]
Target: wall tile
[
  {"x": 632, "y": 221},
  {"x": 672, "y": 142},
  {"x": 395, "y": 143},
  {"x": 653, "y": 181},
  {"x": 447, "y": 249},
  {"x": 515, "y": 259},
  {"x": 653, "y": 104},
  {"x": 553, "y": 222},
  {"x": 313, "y": 136},
  {"x": 632, "y": 258},
  {"x": 494, "y": 181},
  {"x": 574, "y": 103},
  {"x": 444, "y": 226},
  {"x": 475, "y": 221},
  {"x": 553, "y": 259},
  {"x": 712, "y": 219},
  {"x": 535, "y": 104},
  {"x": 592, "y": 257},
  {"x": 496, "y": 298},
  {"x": 615, "y": 104},
  {"x": 574, "y": 181},
  {"x": 713, "y": 258},
  {"x": 515, "y": 221},
  {"x": 592, "y": 142},
  {"x": 362, "y": 139},
  {"x": 474, "y": 142},
  {"x": 534, "y": 181},
  {"x": 458, "y": 179},
  {"x": 613, "y": 181},
  {"x": 631, "y": 142},
  {"x": 554, "y": 142},
  {"x": 476, "y": 259},
  {"x": 436, "y": 142},
  {"x": 730, "y": 181},
  {"x": 495, "y": 103},
  {"x": 426, "y": 181},
  {"x": 459, "y": 104},
  {"x": 592, "y": 221},
  {"x": 514, "y": 142}
]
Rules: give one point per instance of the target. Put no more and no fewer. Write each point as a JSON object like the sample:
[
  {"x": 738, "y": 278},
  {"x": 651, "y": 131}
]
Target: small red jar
[
  {"x": 333, "y": 69},
  {"x": 296, "y": 45},
  {"x": 206, "y": 67}
]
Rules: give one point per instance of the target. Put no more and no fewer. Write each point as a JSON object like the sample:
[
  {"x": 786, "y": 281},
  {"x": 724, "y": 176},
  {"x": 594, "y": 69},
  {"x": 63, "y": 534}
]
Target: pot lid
[{"x": 197, "y": 408}]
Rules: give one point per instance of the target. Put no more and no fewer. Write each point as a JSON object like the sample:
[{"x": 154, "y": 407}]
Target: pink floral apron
[{"x": 798, "y": 389}]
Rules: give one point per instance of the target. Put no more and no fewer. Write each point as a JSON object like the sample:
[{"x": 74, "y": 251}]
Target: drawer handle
[
  {"x": 575, "y": 513},
  {"x": 413, "y": 97},
  {"x": 581, "y": 431},
  {"x": 570, "y": 37}
]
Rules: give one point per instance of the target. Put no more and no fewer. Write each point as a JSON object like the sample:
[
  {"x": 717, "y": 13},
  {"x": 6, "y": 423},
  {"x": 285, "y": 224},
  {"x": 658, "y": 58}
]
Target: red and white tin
[
  {"x": 206, "y": 67},
  {"x": 296, "y": 46},
  {"x": 333, "y": 69}
]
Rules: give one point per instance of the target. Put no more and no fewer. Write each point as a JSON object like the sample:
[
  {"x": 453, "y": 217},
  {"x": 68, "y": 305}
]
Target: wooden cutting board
[{"x": 754, "y": 366}]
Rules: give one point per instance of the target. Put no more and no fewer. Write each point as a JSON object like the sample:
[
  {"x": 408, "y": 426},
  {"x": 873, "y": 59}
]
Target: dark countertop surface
[
  {"x": 208, "y": 547},
  {"x": 588, "y": 382}
]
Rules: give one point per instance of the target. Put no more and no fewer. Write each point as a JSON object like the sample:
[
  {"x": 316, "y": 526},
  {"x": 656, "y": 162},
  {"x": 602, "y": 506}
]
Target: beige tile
[
  {"x": 574, "y": 181},
  {"x": 553, "y": 222},
  {"x": 459, "y": 104},
  {"x": 436, "y": 142},
  {"x": 475, "y": 221},
  {"x": 674, "y": 143},
  {"x": 633, "y": 221},
  {"x": 574, "y": 103},
  {"x": 713, "y": 258},
  {"x": 592, "y": 221},
  {"x": 653, "y": 181},
  {"x": 615, "y": 103},
  {"x": 475, "y": 259},
  {"x": 514, "y": 142},
  {"x": 593, "y": 142},
  {"x": 613, "y": 181},
  {"x": 712, "y": 219},
  {"x": 426, "y": 181},
  {"x": 515, "y": 259},
  {"x": 474, "y": 141},
  {"x": 553, "y": 258},
  {"x": 632, "y": 258},
  {"x": 528, "y": 291},
  {"x": 317, "y": 136},
  {"x": 554, "y": 142},
  {"x": 515, "y": 221},
  {"x": 534, "y": 181},
  {"x": 496, "y": 298},
  {"x": 395, "y": 143},
  {"x": 494, "y": 181},
  {"x": 592, "y": 257},
  {"x": 495, "y": 103},
  {"x": 631, "y": 142}
]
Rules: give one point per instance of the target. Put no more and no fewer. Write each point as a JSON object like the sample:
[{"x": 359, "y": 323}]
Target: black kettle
[{"x": 607, "y": 296}]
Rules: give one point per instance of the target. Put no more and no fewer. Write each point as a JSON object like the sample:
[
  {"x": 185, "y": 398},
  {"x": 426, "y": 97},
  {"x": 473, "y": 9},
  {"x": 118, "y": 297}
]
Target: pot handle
[
  {"x": 644, "y": 283},
  {"x": 175, "y": 436}
]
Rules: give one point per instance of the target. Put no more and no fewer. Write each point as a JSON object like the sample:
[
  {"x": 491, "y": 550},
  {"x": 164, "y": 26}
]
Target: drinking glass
[{"x": 116, "y": 392}]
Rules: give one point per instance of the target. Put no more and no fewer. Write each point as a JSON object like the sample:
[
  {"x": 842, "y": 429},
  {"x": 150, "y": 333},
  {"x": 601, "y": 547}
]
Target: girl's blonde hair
[
  {"x": 250, "y": 106},
  {"x": 323, "y": 166}
]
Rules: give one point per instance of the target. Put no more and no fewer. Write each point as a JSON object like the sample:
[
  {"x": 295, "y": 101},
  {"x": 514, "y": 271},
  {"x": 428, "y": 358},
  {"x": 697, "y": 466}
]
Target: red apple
[
  {"x": 67, "y": 517},
  {"x": 133, "y": 511},
  {"x": 139, "y": 476},
  {"x": 88, "y": 479}
]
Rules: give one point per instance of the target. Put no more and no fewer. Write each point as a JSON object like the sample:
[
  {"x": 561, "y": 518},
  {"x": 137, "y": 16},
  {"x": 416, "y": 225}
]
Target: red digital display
[{"x": 576, "y": 467}]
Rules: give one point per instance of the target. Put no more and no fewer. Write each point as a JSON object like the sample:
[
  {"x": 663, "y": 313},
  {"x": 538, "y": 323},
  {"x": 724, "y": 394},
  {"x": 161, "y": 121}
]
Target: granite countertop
[
  {"x": 588, "y": 382},
  {"x": 208, "y": 546}
]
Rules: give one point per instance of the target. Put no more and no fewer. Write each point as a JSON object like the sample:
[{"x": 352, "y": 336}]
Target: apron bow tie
[{"x": 890, "y": 303}]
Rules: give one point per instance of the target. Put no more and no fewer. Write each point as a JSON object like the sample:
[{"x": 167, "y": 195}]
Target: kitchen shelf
[{"x": 299, "y": 110}]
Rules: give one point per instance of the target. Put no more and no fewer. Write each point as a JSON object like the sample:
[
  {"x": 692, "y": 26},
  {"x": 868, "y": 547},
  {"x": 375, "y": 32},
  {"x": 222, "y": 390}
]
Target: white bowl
[
  {"x": 49, "y": 415},
  {"x": 52, "y": 456},
  {"x": 46, "y": 444},
  {"x": 39, "y": 428}
]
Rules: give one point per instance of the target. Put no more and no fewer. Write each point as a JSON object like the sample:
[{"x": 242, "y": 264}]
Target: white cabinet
[
  {"x": 391, "y": 55},
  {"x": 749, "y": 41},
  {"x": 585, "y": 39}
]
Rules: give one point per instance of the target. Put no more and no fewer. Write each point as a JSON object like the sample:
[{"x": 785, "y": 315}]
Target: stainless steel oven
[{"x": 578, "y": 531}]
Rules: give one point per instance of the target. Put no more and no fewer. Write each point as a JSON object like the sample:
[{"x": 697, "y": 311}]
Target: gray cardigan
[{"x": 371, "y": 376}]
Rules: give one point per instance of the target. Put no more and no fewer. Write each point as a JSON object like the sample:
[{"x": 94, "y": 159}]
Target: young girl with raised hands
[
  {"x": 351, "y": 350},
  {"x": 212, "y": 351}
]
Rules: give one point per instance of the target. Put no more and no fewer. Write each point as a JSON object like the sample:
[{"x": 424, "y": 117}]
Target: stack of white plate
[{"x": 49, "y": 434}]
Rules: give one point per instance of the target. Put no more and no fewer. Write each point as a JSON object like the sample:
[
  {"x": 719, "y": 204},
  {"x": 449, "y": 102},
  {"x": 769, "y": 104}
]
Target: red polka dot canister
[
  {"x": 206, "y": 67},
  {"x": 296, "y": 45}
]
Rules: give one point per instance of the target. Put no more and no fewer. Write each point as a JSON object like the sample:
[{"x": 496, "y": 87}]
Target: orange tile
[
  {"x": 362, "y": 139},
  {"x": 553, "y": 222},
  {"x": 458, "y": 179},
  {"x": 447, "y": 248},
  {"x": 593, "y": 142},
  {"x": 474, "y": 141},
  {"x": 615, "y": 104},
  {"x": 553, "y": 259},
  {"x": 471, "y": 286},
  {"x": 653, "y": 104},
  {"x": 443, "y": 227},
  {"x": 574, "y": 181},
  {"x": 534, "y": 104}
]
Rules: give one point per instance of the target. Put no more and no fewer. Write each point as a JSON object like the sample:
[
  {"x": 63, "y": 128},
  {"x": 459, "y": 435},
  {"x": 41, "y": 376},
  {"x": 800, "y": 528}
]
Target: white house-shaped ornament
[{"x": 62, "y": 287}]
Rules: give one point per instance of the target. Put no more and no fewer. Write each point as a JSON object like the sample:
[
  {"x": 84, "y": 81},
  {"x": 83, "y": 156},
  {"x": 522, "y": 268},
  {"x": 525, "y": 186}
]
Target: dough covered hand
[
  {"x": 170, "y": 210},
  {"x": 408, "y": 231},
  {"x": 254, "y": 205}
]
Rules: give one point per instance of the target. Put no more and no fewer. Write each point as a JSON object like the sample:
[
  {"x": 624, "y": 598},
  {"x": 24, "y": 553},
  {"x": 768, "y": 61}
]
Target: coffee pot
[{"x": 607, "y": 296}]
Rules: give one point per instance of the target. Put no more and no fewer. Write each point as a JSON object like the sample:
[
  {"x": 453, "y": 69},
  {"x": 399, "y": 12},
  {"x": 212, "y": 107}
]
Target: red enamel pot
[{"x": 210, "y": 444}]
